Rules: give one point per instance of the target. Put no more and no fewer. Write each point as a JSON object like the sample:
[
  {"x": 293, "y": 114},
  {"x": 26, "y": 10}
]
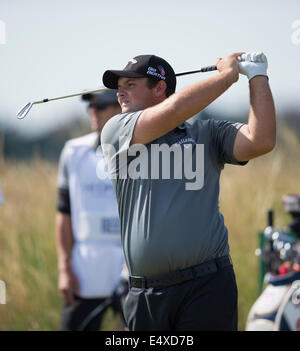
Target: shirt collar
[{"x": 182, "y": 126}]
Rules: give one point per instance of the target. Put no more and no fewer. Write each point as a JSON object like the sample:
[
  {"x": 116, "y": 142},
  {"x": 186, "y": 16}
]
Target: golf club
[
  {"x": 22, "y": 113},
  {"x": 25, "y": 109}
]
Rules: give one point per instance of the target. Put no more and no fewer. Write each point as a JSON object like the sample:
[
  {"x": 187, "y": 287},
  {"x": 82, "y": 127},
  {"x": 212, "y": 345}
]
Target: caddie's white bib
[{"x": 97, "y": 254}]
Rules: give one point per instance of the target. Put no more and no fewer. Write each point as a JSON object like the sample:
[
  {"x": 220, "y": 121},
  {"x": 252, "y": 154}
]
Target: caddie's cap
[
  {"x": 142, "y": 66},
  {"x": 101, "y": 99}
]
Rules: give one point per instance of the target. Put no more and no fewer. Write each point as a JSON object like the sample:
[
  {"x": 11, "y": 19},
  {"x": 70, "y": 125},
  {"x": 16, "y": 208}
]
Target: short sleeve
[
  {"x": 63, "y": 174},
  {"x": 116, "y": 137},
  {"x": 63, "y": 204},
  {"x": 223, "y": 136},
  {"x": 63, "y": 196}
]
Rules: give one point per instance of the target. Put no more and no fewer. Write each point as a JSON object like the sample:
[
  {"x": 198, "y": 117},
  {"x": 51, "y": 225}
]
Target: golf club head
[{"x": 24, "y": 110}]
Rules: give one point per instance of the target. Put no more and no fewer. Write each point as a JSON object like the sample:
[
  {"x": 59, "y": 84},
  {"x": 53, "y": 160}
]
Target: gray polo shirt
[{"x": 169, "y": 221}]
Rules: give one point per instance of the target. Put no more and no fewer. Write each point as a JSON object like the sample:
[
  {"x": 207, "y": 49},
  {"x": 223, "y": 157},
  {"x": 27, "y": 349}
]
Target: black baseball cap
[
  {"x": 101, "y": 99},
  {"x": 140, "y": 67}
]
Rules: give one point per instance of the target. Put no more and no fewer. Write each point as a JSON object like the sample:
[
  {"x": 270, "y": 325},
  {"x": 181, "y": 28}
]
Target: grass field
[{"x": 27, "y": 248}]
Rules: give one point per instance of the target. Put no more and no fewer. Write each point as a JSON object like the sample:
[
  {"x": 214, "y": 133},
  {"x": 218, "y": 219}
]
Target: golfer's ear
[{"x": 160, "y": 88}]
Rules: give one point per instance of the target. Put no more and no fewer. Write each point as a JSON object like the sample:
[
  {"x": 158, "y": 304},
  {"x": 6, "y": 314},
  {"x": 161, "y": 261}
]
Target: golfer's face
[{"x": 134, "y": 94}]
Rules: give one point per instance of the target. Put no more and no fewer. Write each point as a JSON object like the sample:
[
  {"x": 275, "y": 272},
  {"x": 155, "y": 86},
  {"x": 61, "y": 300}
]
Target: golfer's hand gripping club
[{"x": 253, "y": 64}]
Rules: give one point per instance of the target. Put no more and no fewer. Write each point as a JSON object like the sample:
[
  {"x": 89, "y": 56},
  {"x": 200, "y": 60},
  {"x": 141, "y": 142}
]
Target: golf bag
[{"x": 278, "y": 306}]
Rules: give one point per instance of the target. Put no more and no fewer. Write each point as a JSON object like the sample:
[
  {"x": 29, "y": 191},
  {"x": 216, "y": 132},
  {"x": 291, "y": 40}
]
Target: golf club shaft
[
  {"x": 203, "y": 69},
  {"x": 67, "y": 96}
]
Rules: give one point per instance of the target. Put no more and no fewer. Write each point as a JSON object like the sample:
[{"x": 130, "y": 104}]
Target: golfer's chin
[{"x": 127, "y": 109}]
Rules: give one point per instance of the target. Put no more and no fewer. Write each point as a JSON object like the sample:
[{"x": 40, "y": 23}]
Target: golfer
[
  {"x": 174, "y": 238},
  {"x": 88, "y": 239}
]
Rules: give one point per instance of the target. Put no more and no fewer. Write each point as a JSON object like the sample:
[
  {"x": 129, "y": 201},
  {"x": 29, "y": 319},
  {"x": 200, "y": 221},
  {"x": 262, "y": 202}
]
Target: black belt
[{"x": 180, "y": 276}]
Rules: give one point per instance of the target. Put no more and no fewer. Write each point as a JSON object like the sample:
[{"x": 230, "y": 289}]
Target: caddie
[
  {"x": 174, "y": 238},
  {"x": 90, "y": 256}
]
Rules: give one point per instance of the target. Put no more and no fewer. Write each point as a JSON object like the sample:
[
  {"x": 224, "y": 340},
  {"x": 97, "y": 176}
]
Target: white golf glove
[{"x": 253, "y": 64}]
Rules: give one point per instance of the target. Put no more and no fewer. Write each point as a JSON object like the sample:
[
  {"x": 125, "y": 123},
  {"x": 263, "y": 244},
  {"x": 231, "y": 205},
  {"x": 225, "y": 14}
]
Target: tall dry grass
[
  {"x": 27, "y": 247},
  {"x": 246, "y": 194}
]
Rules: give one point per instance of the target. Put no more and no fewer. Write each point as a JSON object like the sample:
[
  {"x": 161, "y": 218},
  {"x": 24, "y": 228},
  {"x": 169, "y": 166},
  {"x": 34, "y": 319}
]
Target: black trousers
[
  {"x": 74, "y": 318},
  {"x": 205, "y": 303}
]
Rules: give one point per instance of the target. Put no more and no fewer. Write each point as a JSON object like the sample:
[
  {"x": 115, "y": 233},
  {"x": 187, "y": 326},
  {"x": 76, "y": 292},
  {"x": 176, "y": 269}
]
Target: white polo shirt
[{"x": 97, "y": 255}]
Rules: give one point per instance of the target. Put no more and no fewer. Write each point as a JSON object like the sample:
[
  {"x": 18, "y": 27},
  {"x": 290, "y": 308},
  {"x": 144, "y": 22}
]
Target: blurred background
[{"x": 49, "y": 49}]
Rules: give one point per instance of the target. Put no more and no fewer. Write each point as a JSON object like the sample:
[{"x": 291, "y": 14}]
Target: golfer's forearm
[
  {"x": 162, "y": 118},
  {"x": 262, "y": 122},
  {"x": 64, "y": 240},
  {"x": 195, "y": 98}
]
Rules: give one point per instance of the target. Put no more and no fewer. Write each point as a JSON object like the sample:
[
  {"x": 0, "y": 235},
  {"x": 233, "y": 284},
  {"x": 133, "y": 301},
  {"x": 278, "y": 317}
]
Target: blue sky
[{"x": 55, "y": 48}]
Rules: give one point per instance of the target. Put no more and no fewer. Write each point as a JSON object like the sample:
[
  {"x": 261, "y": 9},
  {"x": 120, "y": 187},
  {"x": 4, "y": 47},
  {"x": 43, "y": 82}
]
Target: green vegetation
[{"x": 27, "y": 247}]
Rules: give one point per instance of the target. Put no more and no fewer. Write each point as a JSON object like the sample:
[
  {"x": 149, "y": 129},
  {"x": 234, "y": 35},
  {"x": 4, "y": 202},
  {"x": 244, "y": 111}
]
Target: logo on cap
[
  {"x": 161, "y": 70},
  {"x": 152, "y": 72}
]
